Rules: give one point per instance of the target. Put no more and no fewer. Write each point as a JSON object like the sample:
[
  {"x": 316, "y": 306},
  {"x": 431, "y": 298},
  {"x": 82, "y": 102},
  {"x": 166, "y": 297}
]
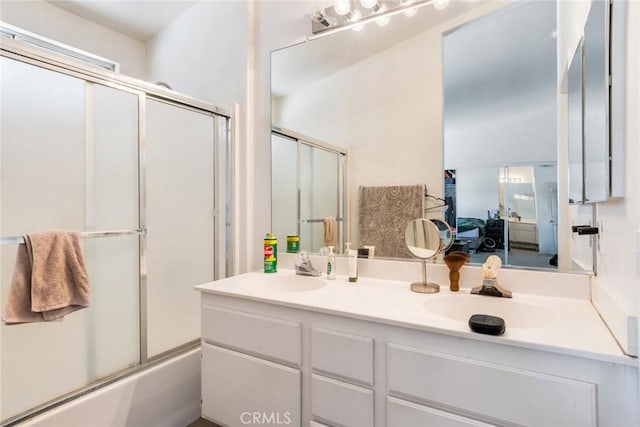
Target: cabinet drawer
[
  {"x": 273, "y": 338},
  {"x": 407, "y": 414},
  {"x": 346, "y": 355},
  {"x": 238, "y": 389},
  {"x": 341, "y": 403},
  {"x": 502, "y": 393}
]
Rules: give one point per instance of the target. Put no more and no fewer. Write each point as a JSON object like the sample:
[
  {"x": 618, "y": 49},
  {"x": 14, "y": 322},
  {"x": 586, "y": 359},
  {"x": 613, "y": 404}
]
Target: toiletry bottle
[
  {"x": 293, "y": 244},
  {"x": 331, "y": 264},
  {"x": 352, "y": 257},
  {"x": 270, "y": 253}
]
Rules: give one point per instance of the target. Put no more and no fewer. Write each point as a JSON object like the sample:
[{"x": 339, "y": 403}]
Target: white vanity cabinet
[
  {"x": 342, "y": 378},
  {"x": 523, "y": 234},
  {"x": 320, "y": 368},
  {"x": 240, "y": 389},
  {"x": 499, "y": 393},
  {"x": 250, "y": 367}
]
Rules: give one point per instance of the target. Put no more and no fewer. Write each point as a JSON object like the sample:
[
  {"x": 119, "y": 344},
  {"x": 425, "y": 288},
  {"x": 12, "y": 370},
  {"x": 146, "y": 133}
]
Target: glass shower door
[
  {"x": 319, "y": 194},
  {"x": 180, "y": 221},
  {"x": 54, "y": 128}
]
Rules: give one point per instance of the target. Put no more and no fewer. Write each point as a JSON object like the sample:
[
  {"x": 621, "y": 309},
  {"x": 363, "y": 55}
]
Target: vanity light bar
[{"x": 327, "y": 21}]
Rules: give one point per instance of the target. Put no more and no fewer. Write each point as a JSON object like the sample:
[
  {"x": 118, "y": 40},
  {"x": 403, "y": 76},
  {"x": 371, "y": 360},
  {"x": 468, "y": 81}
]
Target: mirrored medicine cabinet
[{"x": 588, "y": 90}]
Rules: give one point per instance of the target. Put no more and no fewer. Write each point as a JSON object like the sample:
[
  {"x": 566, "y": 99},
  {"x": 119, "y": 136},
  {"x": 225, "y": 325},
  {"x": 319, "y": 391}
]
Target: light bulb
[
  {"x": 368, "y": 4},
  {"x": 411, "y": 12},
  {"x": 440, "y": 4},
  {"x": 342, "y": 7},
  {"x": 355, "y": 17},
  {"x": 383, "y": 20}
]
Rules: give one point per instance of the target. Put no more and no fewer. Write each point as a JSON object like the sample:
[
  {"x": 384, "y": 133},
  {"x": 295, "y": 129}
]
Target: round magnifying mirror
[
  {"x": 423, "y": 240},
  {"x": 446, "y": 234}
]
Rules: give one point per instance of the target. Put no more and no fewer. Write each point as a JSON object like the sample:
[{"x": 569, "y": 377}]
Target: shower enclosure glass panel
[
  {"x": 112, "y": 159},
  {"x": 319, "y": 193},
  {"x": 307, "y": 186},
  {"x": 284, "y": 178},
  {"x": 180, "y": 221},
  {"x": 54, "y": 127},
  {"x": 111, "y": 174}
]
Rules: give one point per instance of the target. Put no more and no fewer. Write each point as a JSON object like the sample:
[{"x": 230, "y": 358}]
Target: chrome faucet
[
  {"x": 490, "y": 286},
  {"x": 304, "y": 267}
]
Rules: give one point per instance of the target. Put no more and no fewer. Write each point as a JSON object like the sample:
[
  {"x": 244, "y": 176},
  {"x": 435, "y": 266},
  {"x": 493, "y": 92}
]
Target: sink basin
[
  {"x": 283, "y": 283},
  {"x": 515, "y": 314}
]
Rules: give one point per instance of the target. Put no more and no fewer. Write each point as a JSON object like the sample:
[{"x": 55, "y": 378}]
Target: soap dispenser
[
  {"x": 352, "y": 257},
  {"x": 331, "y": 264}
]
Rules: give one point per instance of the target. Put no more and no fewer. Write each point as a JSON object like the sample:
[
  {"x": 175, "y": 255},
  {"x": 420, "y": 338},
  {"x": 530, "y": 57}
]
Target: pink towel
[
  {"x": 331, "y": 232},
  {"x": 49, "y": 279}
]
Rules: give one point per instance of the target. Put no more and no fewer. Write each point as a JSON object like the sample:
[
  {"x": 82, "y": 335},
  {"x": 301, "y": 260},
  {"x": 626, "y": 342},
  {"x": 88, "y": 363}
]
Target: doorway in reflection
[{"x": 510, "y": 212}]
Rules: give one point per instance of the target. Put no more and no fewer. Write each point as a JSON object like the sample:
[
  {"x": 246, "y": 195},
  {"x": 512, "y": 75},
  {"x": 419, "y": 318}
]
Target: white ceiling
[{"x": 139, "y": 19}]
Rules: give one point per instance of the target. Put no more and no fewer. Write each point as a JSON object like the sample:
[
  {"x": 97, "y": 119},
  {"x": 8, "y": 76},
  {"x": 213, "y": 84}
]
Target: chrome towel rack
[
  {"x": 19, "y": 240},
  {"x": 309, "y": 221}
]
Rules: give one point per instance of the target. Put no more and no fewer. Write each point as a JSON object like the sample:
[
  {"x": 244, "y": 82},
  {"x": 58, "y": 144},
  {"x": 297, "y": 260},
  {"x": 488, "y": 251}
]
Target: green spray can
[{"x": 270, "y": 253}]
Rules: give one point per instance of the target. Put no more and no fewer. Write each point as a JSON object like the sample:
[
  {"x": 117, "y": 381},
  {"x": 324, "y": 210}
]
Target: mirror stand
[
  {"x": 425, "y": 287},
  {"x": 425, "y": 239}
]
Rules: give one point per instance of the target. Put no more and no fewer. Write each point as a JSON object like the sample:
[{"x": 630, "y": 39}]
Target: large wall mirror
[{"x": 455, "y": 108}]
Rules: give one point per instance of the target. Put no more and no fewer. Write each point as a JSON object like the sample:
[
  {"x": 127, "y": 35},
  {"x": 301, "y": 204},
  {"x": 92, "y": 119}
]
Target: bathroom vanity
[
  {"x": 291, "y": 350},
  {"x": 523, "y": 234}
]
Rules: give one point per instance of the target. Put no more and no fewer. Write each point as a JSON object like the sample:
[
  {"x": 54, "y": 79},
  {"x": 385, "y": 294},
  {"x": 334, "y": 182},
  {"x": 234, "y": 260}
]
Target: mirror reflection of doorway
[{"x": 510, "y": 212}]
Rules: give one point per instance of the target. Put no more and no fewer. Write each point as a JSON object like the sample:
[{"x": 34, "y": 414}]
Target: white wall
[
  {"x": 41, "y": 17},
  {"x": 619, "y": 256},
  {"x": 488, "y": 140},
  {"x": 389, "y": 117},
  {"x": 203, "y": 53},
  {"x": 616, "y": 287},
  {"x": 478, "y": 191}
]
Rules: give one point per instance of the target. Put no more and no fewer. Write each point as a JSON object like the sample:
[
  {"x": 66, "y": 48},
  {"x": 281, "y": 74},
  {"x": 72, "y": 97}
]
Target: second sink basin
[{"x": 516, "y": 314}]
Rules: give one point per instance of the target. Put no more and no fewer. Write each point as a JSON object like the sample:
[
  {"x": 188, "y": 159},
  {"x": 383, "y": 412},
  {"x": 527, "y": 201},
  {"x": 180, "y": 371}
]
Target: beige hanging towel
[
  {"x": 331, "y": 232},
  {"x": 384, "y": 213},
  {"x": 50, "y": 278}
]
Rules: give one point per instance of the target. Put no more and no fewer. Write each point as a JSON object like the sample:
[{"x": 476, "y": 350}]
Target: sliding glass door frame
[{"x": 144, "y": 91}]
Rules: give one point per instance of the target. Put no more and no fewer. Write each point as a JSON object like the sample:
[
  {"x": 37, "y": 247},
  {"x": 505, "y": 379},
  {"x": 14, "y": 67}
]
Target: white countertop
[{"x": 563, "y": 325}]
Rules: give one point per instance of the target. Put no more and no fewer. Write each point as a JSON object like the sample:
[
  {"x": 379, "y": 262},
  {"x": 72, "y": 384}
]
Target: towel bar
[
  {"x": 18, "y": 240},
  {"x": 302, "y": 221}
]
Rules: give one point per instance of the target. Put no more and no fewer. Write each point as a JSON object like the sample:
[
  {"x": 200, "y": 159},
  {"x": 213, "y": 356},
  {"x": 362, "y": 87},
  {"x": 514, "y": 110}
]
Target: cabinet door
[
  {"x": 238, "y": 389},
  {"x": 340, "y": 403},
  {"x": 407, "y": 414},
  {"x": 502, "y": 393}
]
